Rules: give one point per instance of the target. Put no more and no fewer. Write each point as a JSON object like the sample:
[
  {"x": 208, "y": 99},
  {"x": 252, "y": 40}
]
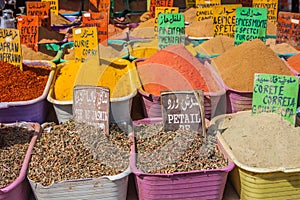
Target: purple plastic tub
[
  {"x": 213, "y": 100},
  {"x": 20, "y": 188},
  {"x": 237, "y": 100},
  {"x": 199, "y": 184},
  {"x": 34, "y": 110}
]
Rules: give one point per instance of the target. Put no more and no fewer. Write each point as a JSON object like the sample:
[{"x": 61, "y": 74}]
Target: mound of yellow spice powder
[
  {"x": 119, "y": 75},
  {"x": 65, "y": 80}
]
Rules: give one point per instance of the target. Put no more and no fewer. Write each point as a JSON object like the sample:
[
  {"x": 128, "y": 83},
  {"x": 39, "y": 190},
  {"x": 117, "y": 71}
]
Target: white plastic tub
[{"x": 106, "y": 187}]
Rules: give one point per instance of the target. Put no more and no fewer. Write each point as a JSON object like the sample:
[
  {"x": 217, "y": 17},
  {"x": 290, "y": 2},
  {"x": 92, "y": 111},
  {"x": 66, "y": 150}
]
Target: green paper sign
[
  {"x": 170, "y": 29},
  {"x": 276, "y": 94},
  {"x": 250, "y": 23}
]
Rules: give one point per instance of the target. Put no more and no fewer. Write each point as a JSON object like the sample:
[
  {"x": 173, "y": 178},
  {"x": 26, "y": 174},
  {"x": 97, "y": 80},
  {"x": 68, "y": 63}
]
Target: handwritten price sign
[
  {"x": 276, "y": 94},
  {"x": 86, "y": 44},
  {"x": 251, "y": 23},
  {"x": 170, "y": 29},
  {"x": 183, "y": 109}
]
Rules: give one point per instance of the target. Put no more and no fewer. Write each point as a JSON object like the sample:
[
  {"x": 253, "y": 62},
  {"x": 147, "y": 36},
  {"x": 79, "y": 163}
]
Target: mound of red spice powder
[
  {"x": 18, "y": 85},
  {"x": 172, "y": 68},
  {"x": 294, "y": 62}
]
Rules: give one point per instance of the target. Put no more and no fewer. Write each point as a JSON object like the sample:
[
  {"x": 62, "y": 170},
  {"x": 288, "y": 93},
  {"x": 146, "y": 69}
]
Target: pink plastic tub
[
  {"x": 199, "y": 184},
  {"x": 213, "y": 100},
  {"x": 237, "y": 100},
  {"x": 20, "y": 188}
]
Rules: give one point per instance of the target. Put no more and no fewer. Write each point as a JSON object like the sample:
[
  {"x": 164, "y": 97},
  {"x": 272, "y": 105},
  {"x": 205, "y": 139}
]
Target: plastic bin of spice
[
  {"x": 257, "y": 182},
  {"x": 20, "y": 188},
  {"x": 197, "y": 184},
  {"x": 237, "y": 77},
  {"x": 117, "y": 74},
  {"x": 106, "y": 187},
  {"x": 34, "y": 110},
  {"x": 90, "y": 183},
  {"x": 213, "y": 98}
]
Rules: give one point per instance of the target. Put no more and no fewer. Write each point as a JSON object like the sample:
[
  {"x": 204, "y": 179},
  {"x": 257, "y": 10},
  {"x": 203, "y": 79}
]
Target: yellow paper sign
[
  {"x": 272, "y": 7},
  {"x": 190, "y": 3},
  {"x": 10, "y": 46},
  {"x": 205, "y": 11},
  {"x": 85, "y": 44},
  {"x": 53, "y": 5},
  {"x": 224, "y": 19},
  {"x": 212, "y": 2},
  {"x": 163, "y": 10}
]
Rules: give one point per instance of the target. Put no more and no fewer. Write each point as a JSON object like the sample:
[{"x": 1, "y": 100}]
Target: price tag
[
  {"x": 99, "y": 20},
  {"x": 53, "y": 5},
  {"x": 224, "y": 19},
  {"x": 288, "y": 30},
  {"x": 170, "y": 29},
  {"x": 205, "y": 11},
  {"x": 162, "y": 10},
  {"x": 183, "y": 109},
  {"x": 10, "y": 46},
  {"x": 251, "y": 23},
  {"x": 271, "y": 5},
  {"x": 28, "y": 27},
  {"x": 85, "y": 44},
  {"x": 91, "y": 106},
  {"x": 40, "y": 9},
  {"x": 159, "y": 3},
  {"x": 276, "y": 94}
]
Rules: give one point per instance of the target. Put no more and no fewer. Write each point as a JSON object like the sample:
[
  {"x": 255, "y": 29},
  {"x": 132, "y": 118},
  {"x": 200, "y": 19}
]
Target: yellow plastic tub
[{"x": 260, "y": 183}]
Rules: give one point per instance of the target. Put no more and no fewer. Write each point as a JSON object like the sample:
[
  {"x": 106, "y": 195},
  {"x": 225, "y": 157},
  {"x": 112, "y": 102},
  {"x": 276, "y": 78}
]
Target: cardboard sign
[
  {"x": 10, "y": 46},
  {"x": 170, "y": 29},
  {"x": 245, "y": 3},
  {"x": 85, "y": 44},
  {"x": 183, "y": 109},
  {"x": 159, "y": 3},
  {"x": 224, "y": 19},
  {"x": 276, "y": 94},
  {"x": 29, "y": 32},
  {"x": 162, "y": 10},
  {"x": 251, "y": 23},
  {"x": 40, "y": 9},
  {"x": 53, "y": 5},
  {"x": 211, "y": 2},
  {"x": 271, "y": 5},
  {"x": 91, "y": 106},
  {"x": 288, "y": 29},
  {"x": 99, "y": 20},
  {"x": 190, "y": 3},
  {"x": 99, "y": 6},
  {"x": 205, "y": 11}
]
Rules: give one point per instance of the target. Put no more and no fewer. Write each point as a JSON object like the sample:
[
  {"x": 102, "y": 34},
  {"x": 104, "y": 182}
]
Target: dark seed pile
[
  {"x": 175, "y": 151},
  {"x": 14, "y": 142},
  {"x": 77, "y": 151}
]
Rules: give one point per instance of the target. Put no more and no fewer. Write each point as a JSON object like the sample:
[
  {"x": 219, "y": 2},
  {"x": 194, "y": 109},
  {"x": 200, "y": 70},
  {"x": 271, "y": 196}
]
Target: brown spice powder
[
  {"x": 216, "y": 45},
  {"x": 59, "y": 19},
  {"x": 238, "y": 65},
  {"x": 271, "y": 28},
  {"x": 189, "y": 14},
  {"x": 202, "y": 28},
  {"x": 29, "y": 54}
]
